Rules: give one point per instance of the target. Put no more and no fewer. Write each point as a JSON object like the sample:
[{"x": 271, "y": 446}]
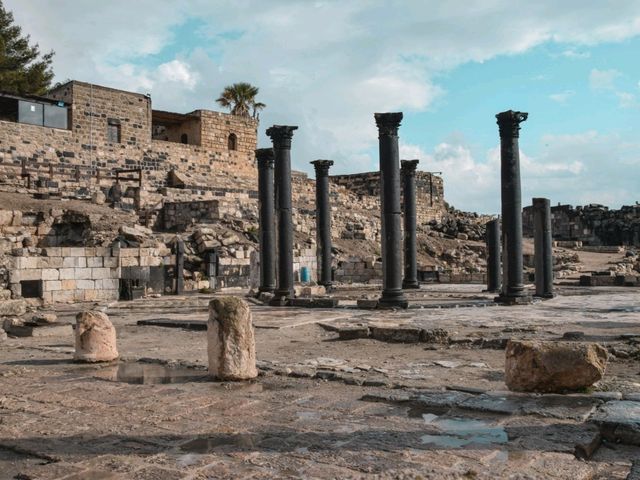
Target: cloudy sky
[{"x": 327, "y": 66}]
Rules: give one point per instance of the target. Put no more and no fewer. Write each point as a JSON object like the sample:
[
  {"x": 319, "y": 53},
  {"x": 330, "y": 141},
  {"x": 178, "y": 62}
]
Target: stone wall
[{"x": 591, "y": 224}]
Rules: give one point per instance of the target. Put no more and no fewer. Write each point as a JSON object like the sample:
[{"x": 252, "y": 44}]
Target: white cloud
[
  {"x": 603, "y": 79},
  {"x": 562, "y": 97},
  {"x": 575, "y": 54},
  {"x": 627, "y": 100},
  {"x": 179, "y": 72}
]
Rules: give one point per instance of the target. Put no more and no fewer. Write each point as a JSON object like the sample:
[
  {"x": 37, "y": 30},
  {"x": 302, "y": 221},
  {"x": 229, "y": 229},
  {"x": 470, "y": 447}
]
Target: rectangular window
[{"x": 113, "y": 130}]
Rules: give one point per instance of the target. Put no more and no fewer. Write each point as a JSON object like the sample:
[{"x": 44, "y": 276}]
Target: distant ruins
[{"x": 192, "y": 174}]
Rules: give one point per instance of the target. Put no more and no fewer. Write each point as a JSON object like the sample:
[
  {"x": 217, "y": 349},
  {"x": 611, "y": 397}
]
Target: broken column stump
[
  {"x": 539, "y": 366},
  {"x": 95, "y": 338},
  {"x": 231, "y": 342}
]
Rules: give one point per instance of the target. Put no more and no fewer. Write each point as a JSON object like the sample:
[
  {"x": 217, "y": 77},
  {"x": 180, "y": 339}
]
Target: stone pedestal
[
  {"x": 95, "y": 338},
  {"x": 266, "y": 195},
  {"x": 281, "y": 136},
  {"x": 408, "y": 173},
  {"x": 513, "y": 292},
  {"x": 323, "y": 221},
  {"x": 392, "y": 294},
  {"x": 231, "y": 345},
  {"x": 493, "y": 256},
  {"x": 543, "y": 247}
]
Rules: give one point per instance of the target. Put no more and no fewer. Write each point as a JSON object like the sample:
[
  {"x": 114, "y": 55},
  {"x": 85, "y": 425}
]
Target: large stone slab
[
  {"x": 537, "y": 366},
  {"x": 231, "y": 342},
  {"x": 619, "y": 421},
  {"x": 95, "y": 338}
]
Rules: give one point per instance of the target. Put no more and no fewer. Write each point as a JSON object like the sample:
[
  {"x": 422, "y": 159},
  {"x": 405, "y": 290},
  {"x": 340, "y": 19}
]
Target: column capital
[
  {"x": 281, "y": 135},
  {"x": 322, "y": 167},
  {"x": 265, "y": 157},
  {"x": 388, "y": 123},
  {"x": 509, "y": 123},
  {"x": 408, "y": 167}
]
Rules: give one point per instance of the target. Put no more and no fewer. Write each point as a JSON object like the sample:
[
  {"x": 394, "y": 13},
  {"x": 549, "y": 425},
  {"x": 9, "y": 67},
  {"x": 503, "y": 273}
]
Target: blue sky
[{"x": 327, "y": 66}]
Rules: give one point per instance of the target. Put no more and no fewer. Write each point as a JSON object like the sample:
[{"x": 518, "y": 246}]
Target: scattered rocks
[
  {"x": 231, "y": 343},
  {"x": 95, "y": 338},
  {"x": 435, "y": 335},
  {"x": 537, "y": 366},
  {"x": 42, "y": 318}
]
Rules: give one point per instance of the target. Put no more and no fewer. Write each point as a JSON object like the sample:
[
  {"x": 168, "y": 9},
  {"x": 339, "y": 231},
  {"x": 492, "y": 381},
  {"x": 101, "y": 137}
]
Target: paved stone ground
[{"x": 324, "y": 408}]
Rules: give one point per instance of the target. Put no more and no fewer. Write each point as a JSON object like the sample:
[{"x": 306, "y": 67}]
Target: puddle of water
[
  {"x": 209, "y": 444},
  {"x": 460, "y": 432},
  {"x": 149, "y": 374},
  {"x": 419, "y": 411},
  {"x": 308, "y": 415}
]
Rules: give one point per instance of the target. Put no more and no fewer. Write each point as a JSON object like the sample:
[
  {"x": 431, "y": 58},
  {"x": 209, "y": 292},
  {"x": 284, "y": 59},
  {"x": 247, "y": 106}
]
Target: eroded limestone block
[
  {"x": 539, "y": 366},
  {"x": 231, "y": 342},
  {"x": 9, "y": 308},
  {"x": 95, "y": 338},
  {"x": 42, "y": 318}
]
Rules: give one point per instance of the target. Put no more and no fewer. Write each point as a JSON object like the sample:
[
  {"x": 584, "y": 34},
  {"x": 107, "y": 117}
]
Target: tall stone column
[
  {"x": 493, "y": 255},
  {"x": 543, "y": 251},
  {"x": 513, "y": 288},
  {"x": 408, "y": 173},
  {"x": 266, "y": 195},
  {"x": 323, "y": 221},
  {"x": 179, "y": 270},
  {"x": 392, "y": 294},
  {"x": 281, "y": 136}
]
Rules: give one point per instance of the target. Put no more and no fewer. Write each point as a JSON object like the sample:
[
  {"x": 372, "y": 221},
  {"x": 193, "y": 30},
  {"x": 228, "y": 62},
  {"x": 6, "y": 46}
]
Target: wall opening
[
  {"x": 31, "y": 288},
  {"x": 113, "y": 130},
  {"x": 233, "y": 141},
  {"x": 184, "y": 138}
]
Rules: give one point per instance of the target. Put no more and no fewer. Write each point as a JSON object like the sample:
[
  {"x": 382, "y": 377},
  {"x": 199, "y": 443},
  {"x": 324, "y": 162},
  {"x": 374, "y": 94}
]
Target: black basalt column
[
  {"x": 543, "y": 252},
  {"x": 408, "y": 174},
  {"x": 513, "y": 288},
  {"x": 179, "y": 270},
  {"x": 266, "y": 195},
  {"x": 392, "y": 294},
  {"x": 323, "y": 221},
  {"x": 281, "y": 136},
  {"x": 493, "y": 256}
]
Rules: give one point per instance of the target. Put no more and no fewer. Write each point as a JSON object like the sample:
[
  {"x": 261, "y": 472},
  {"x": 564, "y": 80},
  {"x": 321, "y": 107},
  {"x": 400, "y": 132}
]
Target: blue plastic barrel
[{"x": 305, "y": 275}]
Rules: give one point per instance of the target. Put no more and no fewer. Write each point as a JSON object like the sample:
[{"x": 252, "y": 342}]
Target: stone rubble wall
[{"x": 594, "y": 225}]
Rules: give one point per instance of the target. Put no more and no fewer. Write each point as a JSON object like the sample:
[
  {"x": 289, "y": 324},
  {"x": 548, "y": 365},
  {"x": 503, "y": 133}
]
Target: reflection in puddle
[
  {"x": 149, "y": 374},
  {"x": 459, "y": 432}
]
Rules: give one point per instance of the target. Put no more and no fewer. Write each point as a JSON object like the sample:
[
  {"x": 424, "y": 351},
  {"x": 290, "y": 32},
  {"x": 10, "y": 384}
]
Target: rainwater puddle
[
  {"x": 150, "y": 374},
  {"x": 626, "y": 309},
  {"x": 459, "y": 432}
]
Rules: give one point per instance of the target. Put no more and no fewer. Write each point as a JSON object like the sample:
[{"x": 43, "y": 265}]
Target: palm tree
[{"x": 240, "y": 99}]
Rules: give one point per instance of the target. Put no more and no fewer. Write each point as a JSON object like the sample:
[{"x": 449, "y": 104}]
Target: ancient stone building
[{"x": 109, "y": 129}]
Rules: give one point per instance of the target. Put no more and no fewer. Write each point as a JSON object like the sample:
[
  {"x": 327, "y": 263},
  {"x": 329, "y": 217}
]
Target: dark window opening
[
  {"x": 31, "y": 288},
  {"x": 113, "y": 131},
  {"x": 233, "y": 141},
  {"x": 13, "y": 109},
  {"x": 184, "y": 138}
]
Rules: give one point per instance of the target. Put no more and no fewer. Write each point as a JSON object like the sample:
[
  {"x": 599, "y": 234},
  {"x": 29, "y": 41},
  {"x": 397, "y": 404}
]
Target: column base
[
  {"x": 393, "y": 300},
  {"x": 545, "y": 295},
  {"x": 514, "y": 300},
  {"x": 411, "y": 284},
  {"x": 267, "y": 289},
  {"x": 279, "y": 301}
]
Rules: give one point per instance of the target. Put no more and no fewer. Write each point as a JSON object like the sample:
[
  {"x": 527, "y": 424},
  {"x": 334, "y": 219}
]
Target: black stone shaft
[
  {"x": 179, "y": 271},
  {"x": 392, "y": 294},
  {"x": 493, "y": 256},
  {"x": 323, "y": 221},
  {"x": 281, "y": 136},
  {"x": 543, "y": 251},
  {"x": 408, "y": 173},
  {"x": 509, "y": 125},
  {"x": 266, "y": 194}
]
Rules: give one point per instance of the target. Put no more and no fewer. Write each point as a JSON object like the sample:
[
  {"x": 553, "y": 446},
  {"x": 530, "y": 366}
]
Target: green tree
[
  {"x": 22, "y": 69},
  {"x": 240, "y": 99}
]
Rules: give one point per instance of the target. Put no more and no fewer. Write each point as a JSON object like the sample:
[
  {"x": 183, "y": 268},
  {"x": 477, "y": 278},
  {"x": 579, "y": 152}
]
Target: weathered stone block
[
  {"x": 82, "y": 273},
  {"x": 539, "y": 366},
  {"x": 49, "y": 274},
  {"x": 11, "y": 308},
  {"x": 231, "y": 343},
  {"x": 95, "y": 338},
  {"x": 52, "y": 285}
]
